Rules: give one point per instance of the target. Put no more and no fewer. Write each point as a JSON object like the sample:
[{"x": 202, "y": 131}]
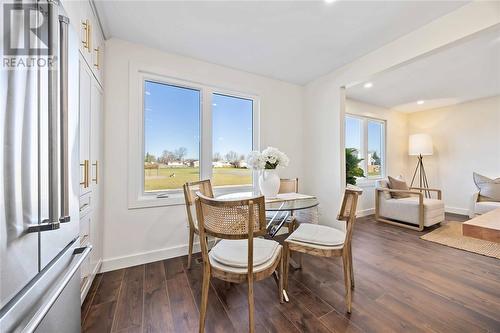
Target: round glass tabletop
[{"x": 281, "y": 204}]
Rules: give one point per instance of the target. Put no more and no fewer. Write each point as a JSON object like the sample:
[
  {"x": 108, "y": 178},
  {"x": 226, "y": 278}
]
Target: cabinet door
[
  {"x": 86, "y": 26},
  {"x": 96, "y": 133},
  {"x": 85, "y": 118},
  {"x": 96, "y": 153}
]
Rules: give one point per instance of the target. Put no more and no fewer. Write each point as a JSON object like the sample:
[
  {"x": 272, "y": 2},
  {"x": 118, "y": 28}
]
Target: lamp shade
[{"x": 420, "y": 144}]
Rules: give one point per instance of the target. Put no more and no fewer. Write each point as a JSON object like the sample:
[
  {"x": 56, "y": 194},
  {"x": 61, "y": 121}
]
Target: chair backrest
[
  {"x": 231, "y": 219},
  {"x": 348, "y": 209},
  {"x": 235, "y": 219},
  {"x": 190, "y": 190},
  {"x": 289, "y": 185}
]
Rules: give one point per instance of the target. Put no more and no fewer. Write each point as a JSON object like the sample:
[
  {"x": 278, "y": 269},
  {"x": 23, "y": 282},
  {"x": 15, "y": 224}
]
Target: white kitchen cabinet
[
  {"x": 91, "y": 137},
  {"x": 84, "y": 116}
]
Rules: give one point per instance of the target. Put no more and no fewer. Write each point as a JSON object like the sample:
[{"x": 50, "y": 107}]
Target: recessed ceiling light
[
  {"x": 214, "y": 104},
  {"x": 368, "y": 85},
  {"x": 329, "y": 1},
  {"x": 420, "y": 102}
]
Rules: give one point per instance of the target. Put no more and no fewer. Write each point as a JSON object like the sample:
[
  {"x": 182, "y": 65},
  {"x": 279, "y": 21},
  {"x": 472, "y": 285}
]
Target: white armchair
[
  {"x": 481, "y": 206},
  {"x": 414, "y": 212}
]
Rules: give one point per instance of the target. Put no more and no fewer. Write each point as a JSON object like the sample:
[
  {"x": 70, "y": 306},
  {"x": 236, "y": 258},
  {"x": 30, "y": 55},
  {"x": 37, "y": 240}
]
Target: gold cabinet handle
[
  {"x": 85, "y": 166},
  {"x": 96, "y": 164},
  {"x": 86, "y": 40},
  {"x": 96, "y": 64},
  {"x": 89, "y": 36}
]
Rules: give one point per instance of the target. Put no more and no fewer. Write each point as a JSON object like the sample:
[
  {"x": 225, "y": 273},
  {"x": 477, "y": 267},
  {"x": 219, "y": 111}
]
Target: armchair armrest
[
  {"x": 439, "y": 193},
  {"x": 381, "y": 189}
]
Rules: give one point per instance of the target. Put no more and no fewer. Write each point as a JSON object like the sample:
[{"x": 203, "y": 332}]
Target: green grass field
[{"x": 174, "y": 178}]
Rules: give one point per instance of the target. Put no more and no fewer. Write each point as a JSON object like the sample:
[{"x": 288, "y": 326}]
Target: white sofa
[
  {"x": 480, "y": 206},
  {"x": 416, "y": 212}
]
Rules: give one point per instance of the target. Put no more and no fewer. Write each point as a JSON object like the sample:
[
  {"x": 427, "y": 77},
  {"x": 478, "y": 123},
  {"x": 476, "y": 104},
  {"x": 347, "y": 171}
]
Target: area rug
[{"x": 450, "y": 234}]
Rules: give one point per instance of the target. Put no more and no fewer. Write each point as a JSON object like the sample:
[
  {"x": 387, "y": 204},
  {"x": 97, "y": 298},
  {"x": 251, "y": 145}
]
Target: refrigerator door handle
[
  {"x": 44, "y": 309},
  {"x": 53, "y": 106},
  {"x": 64, "y": 113}
]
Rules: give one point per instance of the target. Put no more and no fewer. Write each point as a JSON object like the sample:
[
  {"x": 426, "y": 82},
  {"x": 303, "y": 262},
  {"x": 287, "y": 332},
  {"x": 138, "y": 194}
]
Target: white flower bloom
[
  {"x": 275, "y": 157},
  {"x": 255, "y": 160}
]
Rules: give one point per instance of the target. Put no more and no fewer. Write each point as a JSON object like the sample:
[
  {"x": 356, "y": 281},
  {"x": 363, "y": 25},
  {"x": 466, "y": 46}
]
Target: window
[
  {"x": 183, "y": 131},
  {"x": 232, "y": 140},
  {"x": 367, "y": 136},
  {"x": 171, "y": 136}
]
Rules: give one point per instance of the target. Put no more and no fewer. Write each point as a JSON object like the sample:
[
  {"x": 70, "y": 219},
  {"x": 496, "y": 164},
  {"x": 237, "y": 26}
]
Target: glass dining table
[{"x": 278, "y": 209}]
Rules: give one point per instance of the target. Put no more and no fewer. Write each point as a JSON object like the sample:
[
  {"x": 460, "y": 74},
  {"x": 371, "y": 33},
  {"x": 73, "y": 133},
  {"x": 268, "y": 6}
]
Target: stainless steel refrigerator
[{"x": 39, "y": 171}]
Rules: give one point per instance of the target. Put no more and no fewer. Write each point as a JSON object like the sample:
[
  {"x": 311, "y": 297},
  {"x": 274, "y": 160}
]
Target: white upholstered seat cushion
[
  {"x": 318, "y": 235},
  {"x": 232, "y": 255},
  {"x": 235, "y": 252},
  {"x": 483, "y": 207},
  {"x": 407, "y": 210}
]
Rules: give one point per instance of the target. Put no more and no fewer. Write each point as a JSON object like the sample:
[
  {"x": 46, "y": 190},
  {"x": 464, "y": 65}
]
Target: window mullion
[
  {"x": 365, "y": 146},
  {"x": 206, "y": 134}
]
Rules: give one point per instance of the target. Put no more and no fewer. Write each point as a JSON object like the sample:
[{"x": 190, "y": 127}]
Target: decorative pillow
[
  {"x": 398, "y": 184},
  {"x": 383, "y": 183},
  {"x": 489, "y": 189}
]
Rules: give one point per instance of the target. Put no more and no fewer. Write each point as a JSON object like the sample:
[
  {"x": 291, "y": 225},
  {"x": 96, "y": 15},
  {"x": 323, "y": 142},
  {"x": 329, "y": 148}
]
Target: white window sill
[
  {"x": 176, "y": 198},
  {"x": 367, "y": 182}
]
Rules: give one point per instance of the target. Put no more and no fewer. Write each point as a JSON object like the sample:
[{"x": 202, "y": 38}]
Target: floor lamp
[{"x": 420, "y": 145}]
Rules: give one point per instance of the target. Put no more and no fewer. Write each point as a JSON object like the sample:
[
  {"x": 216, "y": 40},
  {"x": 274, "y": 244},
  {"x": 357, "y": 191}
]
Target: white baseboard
[
  {"x": 365, "y": 212},
  {"x": 112, "y": 264},
  {"x": 456, "y": 210}
]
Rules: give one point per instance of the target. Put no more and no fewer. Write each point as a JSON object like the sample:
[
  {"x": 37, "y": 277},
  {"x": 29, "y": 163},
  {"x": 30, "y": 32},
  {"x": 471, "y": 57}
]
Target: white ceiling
[
  {"x": 294, "y": 41},
  {"x": 465, "y": 71}
]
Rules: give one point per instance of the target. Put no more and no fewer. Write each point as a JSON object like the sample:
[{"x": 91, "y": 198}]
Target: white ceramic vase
[{"x": 269, "y": 183}]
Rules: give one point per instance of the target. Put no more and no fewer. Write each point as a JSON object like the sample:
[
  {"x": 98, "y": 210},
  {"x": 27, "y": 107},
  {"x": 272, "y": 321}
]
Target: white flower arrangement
[{"x": 270, "y": 158}]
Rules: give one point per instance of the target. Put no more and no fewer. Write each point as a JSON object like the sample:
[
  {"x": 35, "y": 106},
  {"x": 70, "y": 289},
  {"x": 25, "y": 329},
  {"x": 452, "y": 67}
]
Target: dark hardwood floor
[{"x": 403, "y": 284}]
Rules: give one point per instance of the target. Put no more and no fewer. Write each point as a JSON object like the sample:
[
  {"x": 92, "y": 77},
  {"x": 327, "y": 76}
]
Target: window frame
[
  {"x": 137, "y": 196},
  {"x": 364, "y": 145}
]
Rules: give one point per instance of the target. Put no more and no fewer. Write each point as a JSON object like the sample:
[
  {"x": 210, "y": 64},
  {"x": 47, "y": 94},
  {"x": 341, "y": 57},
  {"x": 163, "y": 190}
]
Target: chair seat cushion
[
  {"x": 318, "y": 234},
  {"x": 234, "y": 253}
]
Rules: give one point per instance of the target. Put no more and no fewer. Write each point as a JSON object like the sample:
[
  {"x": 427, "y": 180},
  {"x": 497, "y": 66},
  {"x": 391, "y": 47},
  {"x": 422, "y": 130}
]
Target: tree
[
  {"x": 217, "y": 157},
  {"x": 149, "y": 158},
  {"x": 352, "y": 169},
  {"x": 180, "y": 153},
  {"x": 376, "y": 158},
  {"x": 166, "y": 157},
  {"x": 232, "y": 158}
]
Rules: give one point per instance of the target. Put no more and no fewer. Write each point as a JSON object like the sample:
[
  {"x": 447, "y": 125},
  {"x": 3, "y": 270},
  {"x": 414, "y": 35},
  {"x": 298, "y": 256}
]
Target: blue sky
[
  {"x": 353, "y": 129},
  {"x": 172, "y": 120}
]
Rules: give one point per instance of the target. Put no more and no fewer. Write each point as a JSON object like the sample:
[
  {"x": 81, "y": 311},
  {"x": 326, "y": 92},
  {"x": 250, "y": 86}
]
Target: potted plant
[
  {"x": 352, "y": 169},
  {"x": 267, "y": 161}
]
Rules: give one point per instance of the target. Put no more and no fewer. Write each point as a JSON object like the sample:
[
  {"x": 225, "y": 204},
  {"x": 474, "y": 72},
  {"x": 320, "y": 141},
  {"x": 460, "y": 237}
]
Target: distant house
[
  {"x": 221, "y": 164},
  {"x": 242, "y": 164},
  {"x": 175, "y": 164},
  {"x": 192, "y": 163}
]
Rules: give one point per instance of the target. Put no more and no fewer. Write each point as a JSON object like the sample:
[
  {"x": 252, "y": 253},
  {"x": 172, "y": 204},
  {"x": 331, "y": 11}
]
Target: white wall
[
  {"x": 141, "y": 235},
  {"x": 396, "y": 147},
  {"x": 466, "y": 138},
  {"x": 323, "y": 114}
]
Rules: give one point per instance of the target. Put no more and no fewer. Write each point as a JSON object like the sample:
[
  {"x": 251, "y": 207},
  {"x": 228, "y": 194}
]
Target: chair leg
[
  {"x": 204, "y": 297},
  {"x": 286, "y": 256},
  {"x": 280, "y": 284},
  {"x": 250, "y": 307},
  {"x": 351, "y": 267},
  {"x": 347, "y": 280},
  {"x": 190, "y": 248}
]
